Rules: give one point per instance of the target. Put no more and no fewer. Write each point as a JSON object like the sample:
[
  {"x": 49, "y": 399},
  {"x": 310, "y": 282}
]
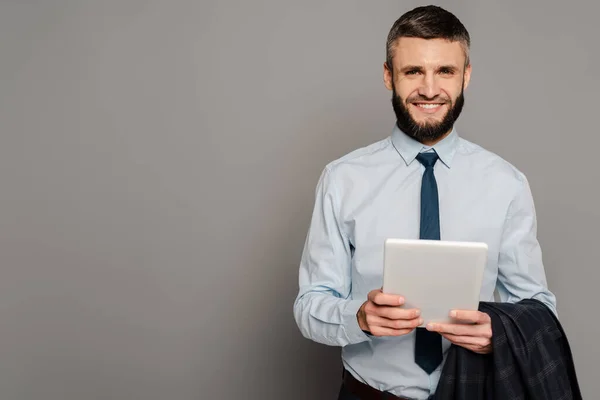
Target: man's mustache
[{"x": 421, "y": 98}]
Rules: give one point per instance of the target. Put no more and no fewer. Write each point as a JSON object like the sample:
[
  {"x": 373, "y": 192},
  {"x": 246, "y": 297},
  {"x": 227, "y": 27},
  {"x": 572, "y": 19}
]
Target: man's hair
[{"x": 428, "y": 22}]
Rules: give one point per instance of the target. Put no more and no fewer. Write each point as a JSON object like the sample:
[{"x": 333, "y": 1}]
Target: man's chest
[{"x": 471, "y": 208}]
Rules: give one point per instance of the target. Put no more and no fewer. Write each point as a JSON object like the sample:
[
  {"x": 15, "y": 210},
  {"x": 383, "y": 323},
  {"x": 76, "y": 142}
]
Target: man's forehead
[{"x": 411, "y": 50}]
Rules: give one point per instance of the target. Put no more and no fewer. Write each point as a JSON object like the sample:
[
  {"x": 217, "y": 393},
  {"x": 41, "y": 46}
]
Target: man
[{"x": 380, "y": 191}]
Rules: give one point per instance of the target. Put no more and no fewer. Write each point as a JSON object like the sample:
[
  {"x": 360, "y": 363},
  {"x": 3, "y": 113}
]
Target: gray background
[{"x": 158, "y": 161}]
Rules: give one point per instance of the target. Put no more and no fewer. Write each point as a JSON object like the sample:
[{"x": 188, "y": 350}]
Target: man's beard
[{"x": 429, "y": 131}]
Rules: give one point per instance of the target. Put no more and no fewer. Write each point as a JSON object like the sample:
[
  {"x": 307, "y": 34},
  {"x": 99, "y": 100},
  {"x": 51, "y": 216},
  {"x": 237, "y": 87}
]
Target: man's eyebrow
[
  {"x": 450, "y": 67},
  {"x": 418, "y": 68},
  {"x": 411, "y": 68}
]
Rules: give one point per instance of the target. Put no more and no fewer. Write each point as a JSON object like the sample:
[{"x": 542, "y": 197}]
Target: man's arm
[
  {"x": 520, "y": 275},
  {"x": 521, "y": 272},
  {"x": 323, "y": 308}
]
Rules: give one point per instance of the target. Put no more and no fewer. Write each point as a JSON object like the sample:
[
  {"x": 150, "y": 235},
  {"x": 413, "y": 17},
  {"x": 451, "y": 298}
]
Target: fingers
[
  {"x": 475, "y": 344},
  {"x": 380, "y": 331},
  {"x": 483, "y": 330},
  {"x": 475, "y": 317},
  {"x": 387, "y": 306},
  {"x": 374, "y": 320},
  {"x": 384, "y": 316},
  {"x": 467, "y": 340},
  {"x": 385, "y": 299},
  {"x": 398, "y": 313},
  {"x": 391, "y": 312}
]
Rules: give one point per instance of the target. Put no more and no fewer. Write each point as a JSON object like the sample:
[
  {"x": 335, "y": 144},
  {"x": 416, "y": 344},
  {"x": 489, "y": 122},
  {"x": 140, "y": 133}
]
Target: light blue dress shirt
[{"x": 373, "y": 193}]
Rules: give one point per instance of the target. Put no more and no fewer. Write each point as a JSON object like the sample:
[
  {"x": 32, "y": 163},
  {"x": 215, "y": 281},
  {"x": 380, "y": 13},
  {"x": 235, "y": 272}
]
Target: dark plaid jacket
[{"x": 531, "y": 359}]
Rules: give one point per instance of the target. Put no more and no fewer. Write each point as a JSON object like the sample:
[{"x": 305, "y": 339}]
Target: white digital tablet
[{"x": 435, "y": 276}]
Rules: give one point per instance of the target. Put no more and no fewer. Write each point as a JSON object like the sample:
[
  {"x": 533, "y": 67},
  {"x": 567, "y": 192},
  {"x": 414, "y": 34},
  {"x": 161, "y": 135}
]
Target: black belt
[{"x": 366, "y": 392}]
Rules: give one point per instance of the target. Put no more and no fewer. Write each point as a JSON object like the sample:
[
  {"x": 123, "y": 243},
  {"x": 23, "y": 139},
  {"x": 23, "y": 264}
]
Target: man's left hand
[{"x": 476, "y": 335}]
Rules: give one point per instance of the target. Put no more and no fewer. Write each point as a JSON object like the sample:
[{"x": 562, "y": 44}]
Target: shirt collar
[{"x": 409, "y": 148}]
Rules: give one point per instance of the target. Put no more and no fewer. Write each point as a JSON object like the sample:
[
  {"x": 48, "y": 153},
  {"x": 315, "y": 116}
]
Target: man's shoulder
[
  {"x": 489, "y": 161},
  {"x": 370, "y": 154}
]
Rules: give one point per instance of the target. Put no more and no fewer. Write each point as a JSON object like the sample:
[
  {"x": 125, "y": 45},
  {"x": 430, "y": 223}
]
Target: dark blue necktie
[{"x": 428, "y": 345}]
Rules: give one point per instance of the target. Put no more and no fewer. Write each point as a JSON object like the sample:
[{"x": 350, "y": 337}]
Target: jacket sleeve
[{"x": 324, "y": 310}]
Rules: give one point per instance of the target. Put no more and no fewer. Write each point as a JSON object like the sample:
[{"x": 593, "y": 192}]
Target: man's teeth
[{"x": 428, "y": 105}]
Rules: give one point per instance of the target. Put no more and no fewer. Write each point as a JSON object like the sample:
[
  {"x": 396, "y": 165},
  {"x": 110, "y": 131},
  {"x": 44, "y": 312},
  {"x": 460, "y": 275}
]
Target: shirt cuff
[{"x": 350, "y": 325}]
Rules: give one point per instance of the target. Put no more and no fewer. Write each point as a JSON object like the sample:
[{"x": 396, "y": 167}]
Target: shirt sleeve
[
  {"x": 324, "y": 309},
  {"x": 521, "y": 272}
]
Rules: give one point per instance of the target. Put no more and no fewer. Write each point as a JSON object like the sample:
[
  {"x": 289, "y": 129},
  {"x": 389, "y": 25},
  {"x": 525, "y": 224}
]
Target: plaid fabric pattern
[{"x": 531, "y": 359}]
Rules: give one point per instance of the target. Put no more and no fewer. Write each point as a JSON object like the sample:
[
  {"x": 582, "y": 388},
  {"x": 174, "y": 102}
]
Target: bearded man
[{"x": 382, "y": 190}]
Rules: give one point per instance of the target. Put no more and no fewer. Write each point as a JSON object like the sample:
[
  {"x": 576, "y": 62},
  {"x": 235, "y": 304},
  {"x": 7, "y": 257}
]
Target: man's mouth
[{"x": 428, "y": 108}]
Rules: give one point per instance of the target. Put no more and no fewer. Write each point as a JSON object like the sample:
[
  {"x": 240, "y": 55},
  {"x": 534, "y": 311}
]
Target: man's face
[{"x": 428, "y": 80}]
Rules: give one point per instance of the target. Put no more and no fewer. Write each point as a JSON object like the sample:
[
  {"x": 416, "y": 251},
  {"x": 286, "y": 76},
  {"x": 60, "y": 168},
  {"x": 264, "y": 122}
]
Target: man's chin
[
  {"x": 424, "y": 130},
  {"x": 429, "y": 133},
  {"x": 429, "y": 124},
  {"x": 427, "y": 120}
]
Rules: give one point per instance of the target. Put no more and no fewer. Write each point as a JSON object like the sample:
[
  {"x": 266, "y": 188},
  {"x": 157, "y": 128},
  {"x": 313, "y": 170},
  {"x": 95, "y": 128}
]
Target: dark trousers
[{"x": 346, "y": 395}]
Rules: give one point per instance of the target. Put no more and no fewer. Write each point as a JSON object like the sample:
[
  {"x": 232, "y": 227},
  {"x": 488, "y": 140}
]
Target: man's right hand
[{"x": 381, "y": 315}]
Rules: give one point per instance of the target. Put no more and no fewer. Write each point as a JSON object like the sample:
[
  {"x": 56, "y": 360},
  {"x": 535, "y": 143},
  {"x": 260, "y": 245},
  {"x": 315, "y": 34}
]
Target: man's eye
[
  {"x": 446, "y": 71},
  {"x": 412, "y": 72}
]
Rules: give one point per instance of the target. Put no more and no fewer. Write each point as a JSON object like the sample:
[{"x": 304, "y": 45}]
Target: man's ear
[
  {"x": 388, "y": 78},
  {"x": 467, "y": 76}
]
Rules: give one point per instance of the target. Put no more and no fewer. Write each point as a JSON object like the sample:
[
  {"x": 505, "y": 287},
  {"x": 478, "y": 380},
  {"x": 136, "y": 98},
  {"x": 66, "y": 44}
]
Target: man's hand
[
  {"x": 381, "y": 315},
  {"x": 476, "y": 336}
]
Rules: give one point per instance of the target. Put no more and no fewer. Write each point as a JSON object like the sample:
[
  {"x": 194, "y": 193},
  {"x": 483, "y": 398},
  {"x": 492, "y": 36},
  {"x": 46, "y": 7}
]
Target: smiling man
[
  {"x": 428, "y": 87},
  {"x": 382, "y": 191}
]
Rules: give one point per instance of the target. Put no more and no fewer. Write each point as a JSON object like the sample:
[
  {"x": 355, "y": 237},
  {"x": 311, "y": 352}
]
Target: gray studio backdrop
[{"x": 158, "y": 161}]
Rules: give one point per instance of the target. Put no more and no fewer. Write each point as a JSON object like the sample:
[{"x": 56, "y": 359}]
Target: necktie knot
[{"x": 427, "y": 159}]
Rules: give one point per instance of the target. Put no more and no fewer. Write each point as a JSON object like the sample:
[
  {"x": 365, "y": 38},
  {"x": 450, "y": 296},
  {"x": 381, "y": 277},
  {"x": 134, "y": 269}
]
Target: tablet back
[{"x": 435, "y": 276}]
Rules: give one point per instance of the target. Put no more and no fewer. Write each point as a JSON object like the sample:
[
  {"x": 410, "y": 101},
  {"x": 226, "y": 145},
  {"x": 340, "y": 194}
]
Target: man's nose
[{"x": 429, "y": 87}]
